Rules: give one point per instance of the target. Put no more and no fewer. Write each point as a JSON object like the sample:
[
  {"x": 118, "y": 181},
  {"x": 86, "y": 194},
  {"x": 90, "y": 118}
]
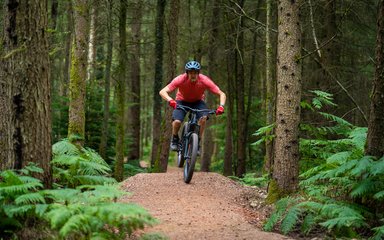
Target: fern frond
[
  {"x": 312, "y": 171},
  {"x": 336, "y": 119},
  {"x": 94, "y": 156},
  {"x": 58, "y": 215},
  {"x": 343, "y": 169},
  {"x": 64, "y": 147},
  {"x": 264, "y": 130},
  {"x": 26, "y": 179},
  {"x": 277, "y": 214},
  {"x": 379, "y": 233},
  {"x": 379, "y": 195},
  {"x": 9, "y": 178},
  {"x": 96, "y": 180},
  {"x": 344, "y": 221},
  {"x": 364, "y": 187},
  {"x": 21, "y": 188},
  {"x": 41, "y": 209},
  {"x": 17, "y": 211},
  {"x": 61, "y": 195},
  {"x": 358, "y": 136},
  {"x": 272, "y": 220},
  {"x": 93, "y": 168},
  {"x": 377, "y": 167},
  {"x": 31, "y": 168},
  {"x": 66, "y": 160},
  {"x": 75, "y": 224},
  {"x": 308, "y": 223},
  {"x": 102, "y": 192},
  {"x": 290, "y": 219},
  {"x": 30, "y": 198},
  {"x": 341, "y": 216},
  {"x": 311, "y": 205},
  {"x": 363, "y": 165},
  {"x": 339, "y": 158}
]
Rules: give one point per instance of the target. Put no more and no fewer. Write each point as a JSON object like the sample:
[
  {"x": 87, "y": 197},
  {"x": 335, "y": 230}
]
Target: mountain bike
[{"x": 189, "y": 142}]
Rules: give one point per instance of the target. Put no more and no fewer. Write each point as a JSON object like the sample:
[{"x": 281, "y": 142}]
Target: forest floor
[{"x": 210, "y": 207}]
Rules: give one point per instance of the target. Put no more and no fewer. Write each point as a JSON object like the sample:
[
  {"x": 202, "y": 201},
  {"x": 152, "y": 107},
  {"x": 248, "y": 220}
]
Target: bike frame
[
  {"x": 188, "y": 147},
  {"x": 193, "y": 127}
]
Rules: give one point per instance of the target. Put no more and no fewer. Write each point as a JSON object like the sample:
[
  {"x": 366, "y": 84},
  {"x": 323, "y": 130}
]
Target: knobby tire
[{"x": 192, "y": 156}]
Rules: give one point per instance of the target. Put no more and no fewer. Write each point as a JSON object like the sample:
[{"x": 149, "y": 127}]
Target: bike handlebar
[{"x": 186, "y": 108}]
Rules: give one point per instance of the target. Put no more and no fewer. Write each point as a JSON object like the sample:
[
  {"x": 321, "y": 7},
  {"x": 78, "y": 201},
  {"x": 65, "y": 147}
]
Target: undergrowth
[
  {"x": 82, "y": 205},
  {"x": 342, "y": 192}
]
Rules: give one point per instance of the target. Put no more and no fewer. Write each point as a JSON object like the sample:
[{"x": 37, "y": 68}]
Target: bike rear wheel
[
  {"x": 191, "y": 157},
  {"x": 180, "y": 153}
]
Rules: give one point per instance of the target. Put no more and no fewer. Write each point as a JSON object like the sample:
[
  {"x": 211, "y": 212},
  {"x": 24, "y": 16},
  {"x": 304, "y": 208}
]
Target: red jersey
[{"x": 192, "y": 91}]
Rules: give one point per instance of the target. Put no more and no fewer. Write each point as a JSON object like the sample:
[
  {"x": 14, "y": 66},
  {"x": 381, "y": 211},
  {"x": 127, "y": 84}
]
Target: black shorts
[{"x": 179, "y": 114}]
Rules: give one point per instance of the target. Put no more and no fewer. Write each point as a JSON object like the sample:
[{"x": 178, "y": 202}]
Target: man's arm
[
  {"x": 164, "y": 93},
  {"x": 223, "y": 98}
]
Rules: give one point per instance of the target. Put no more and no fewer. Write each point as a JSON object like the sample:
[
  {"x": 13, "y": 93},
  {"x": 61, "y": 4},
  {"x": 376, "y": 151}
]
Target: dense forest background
[
  {"x": 301, "y": 79},
  {"x": 234, "y": 33}
]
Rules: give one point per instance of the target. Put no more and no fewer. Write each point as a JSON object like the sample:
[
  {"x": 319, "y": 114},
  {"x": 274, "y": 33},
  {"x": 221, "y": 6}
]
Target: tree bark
[
  {"x": 270, "y": 86},
  {"x": 134, "y": 129},
  {"x": 375, "y": 140},
  {"x": 25, "y": 98},
  {"x": 208, "y": 140},
  {"x": 159, "y": 42},
  {"x": 77, "y": 85},
  {"x": 120, "y": 94},
  {"x": 107, "y": 83},
  {"x": 286, "y": 152},
  {"x": 240, "y": 88},
  {"x": 173, "y": 30}
]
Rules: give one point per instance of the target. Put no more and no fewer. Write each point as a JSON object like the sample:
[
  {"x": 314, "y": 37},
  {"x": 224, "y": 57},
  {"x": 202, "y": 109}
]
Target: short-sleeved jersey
[{"x": 192, "y": 91}]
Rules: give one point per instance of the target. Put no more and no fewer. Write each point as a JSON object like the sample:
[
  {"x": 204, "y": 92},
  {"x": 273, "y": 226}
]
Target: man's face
[{"x": 192, "y": 75}]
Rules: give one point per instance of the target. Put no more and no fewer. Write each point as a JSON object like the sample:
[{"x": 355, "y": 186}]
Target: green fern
[
  {"x": 322, "y": 99},
  {"x": 278, "y": 213},
  {"x": 379, "y": 233},
  {"x": 75, "y": 166},
  {"x": 290, "y": 219}
]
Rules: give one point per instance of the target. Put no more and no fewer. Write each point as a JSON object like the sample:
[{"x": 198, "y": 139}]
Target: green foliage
[
  {"x": 343, "y": 194},
  {"x": 131, "y": 169},
  {"x": 75, "y": 166},
  {"x": 88, "y": 210},
  {"x": 342, "y": 190},
  {"x": 250, "y": 179}
]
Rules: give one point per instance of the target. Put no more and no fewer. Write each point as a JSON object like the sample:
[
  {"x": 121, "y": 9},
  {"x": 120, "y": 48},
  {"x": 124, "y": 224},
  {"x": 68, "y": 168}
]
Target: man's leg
[
  {"x": 175, "y": 127},
  {"x": 177, "y": 118},
  {"x": 202, "y": 122}
]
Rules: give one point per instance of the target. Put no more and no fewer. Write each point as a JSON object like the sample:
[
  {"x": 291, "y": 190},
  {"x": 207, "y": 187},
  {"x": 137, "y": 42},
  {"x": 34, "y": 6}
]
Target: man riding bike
[{"x": 191, "y": 86}]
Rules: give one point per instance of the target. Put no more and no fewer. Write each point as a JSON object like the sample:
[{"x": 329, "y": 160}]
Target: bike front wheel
[{"x": 190, "y": 162}]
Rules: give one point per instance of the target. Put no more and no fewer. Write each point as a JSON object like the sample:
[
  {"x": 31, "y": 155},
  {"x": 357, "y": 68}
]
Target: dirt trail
[{"x": 210, "y": 207}]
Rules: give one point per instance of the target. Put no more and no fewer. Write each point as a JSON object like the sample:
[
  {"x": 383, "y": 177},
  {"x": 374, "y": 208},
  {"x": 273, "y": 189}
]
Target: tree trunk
[
  {"x": 76, "y": 124},
  {"x": 92, "y": 43},
  {"x": 107, "y": 82},
  {"x": 54, "y": 13},
  {"x": 240, "y": 80},
  {"x": 120, "y": 94},
  {"x": 375, "y": 140},
  {"x": 159, "y": 42},
  {"x": 67, "y": 49},
  {"x": 134, "y": 129},
  {"x": 270, "y": 86},
  {"x": 173, "y": 31},
  {"x": 251, "y": 89},
  {"x": 286, "y": 152},
  {"x": 208, "y": 143},
  {"x": 25, "y": 98}
]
